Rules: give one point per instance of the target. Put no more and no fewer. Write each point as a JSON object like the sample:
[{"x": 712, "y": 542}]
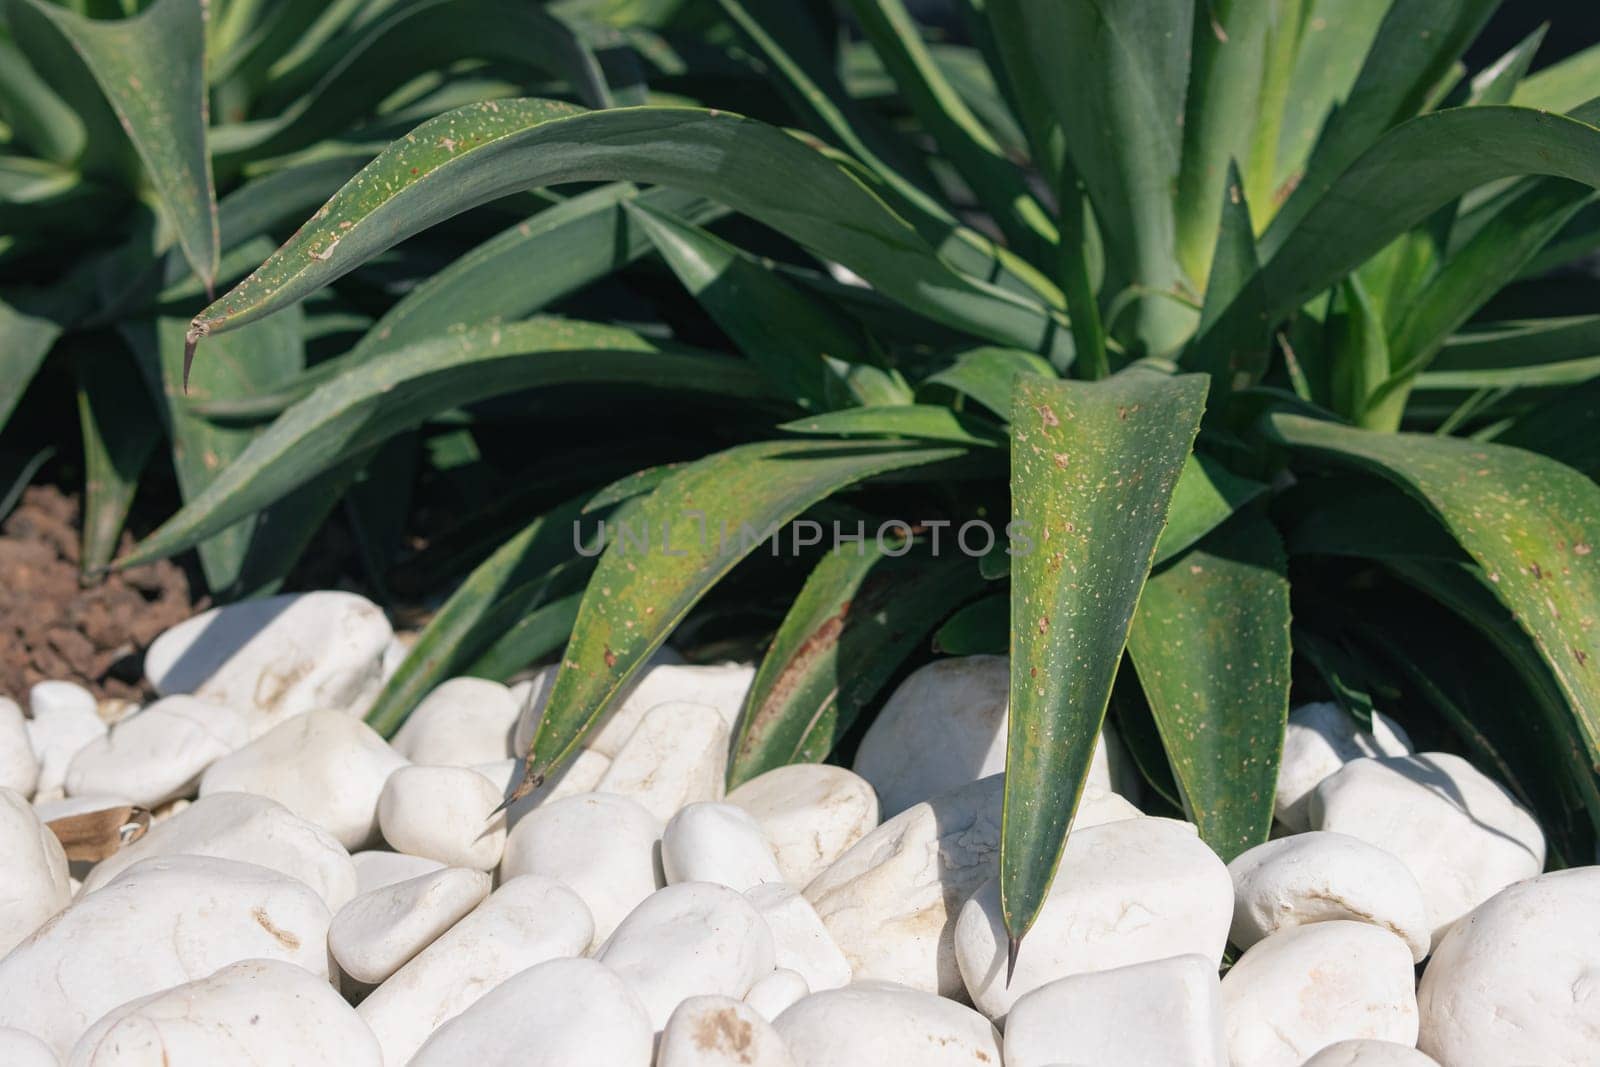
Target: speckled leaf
[
  {"x": 699, "y": 523},
  {"x": 859, "y": 614},
  {"x": 1093, "y": 467},
  {"x": 986, "y": 374},
  {"x": 532, "y": 637},
  {"x": 1211, "y": 645},
  {"x": 376, "y": 400},
  {"x": 477, "y": 153},
  {"x": 1528, "y": 521},
  {"x": 151, "y": 68},
  {"x": 927, "y": 422}
]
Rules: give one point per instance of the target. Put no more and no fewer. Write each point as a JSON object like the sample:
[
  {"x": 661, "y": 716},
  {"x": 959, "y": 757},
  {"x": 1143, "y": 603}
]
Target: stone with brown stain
[{"x": 715, "y": 1031}]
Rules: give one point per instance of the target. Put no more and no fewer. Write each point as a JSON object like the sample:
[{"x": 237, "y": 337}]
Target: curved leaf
[
  {"x": 1093, "y": 467},
  {"x": 987, "y": 373},
  {"x": 981, "y": 628},
  {"x": 382, "y": 398},
  {"x": 927, "y": 422}
]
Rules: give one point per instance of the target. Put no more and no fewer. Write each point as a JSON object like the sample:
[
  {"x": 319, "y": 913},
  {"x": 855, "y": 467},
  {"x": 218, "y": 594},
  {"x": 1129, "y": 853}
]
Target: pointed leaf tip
[
  {"x": 1013, "y": 947},
  {"x": 191, "y": 341},
  {"x": 530, "y": 782}
]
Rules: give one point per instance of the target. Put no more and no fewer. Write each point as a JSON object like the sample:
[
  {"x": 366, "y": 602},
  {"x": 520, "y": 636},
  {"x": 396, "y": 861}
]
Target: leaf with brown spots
[{"x": 1094, "y": 528}]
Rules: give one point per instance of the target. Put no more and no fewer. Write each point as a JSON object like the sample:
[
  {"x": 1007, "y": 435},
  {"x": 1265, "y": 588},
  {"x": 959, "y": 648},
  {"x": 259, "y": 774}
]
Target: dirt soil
[{"x": 54, "y": 625}]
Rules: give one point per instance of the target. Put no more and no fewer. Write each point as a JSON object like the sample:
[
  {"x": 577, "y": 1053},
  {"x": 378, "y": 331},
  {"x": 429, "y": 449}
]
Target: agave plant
[{"x": 1228, "y": 311}]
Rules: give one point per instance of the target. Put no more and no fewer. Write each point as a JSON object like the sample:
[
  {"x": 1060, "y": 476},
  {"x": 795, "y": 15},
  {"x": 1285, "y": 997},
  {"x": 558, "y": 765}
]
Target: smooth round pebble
[
  {"x": 65, "y": 720},
  {"x": 562, "y": 841},
  {"x": 871, "y": 1024},
  {"x": 558, "y": 1014},
  {"x": 1316, "y": 876},
  {"x": 720, "y": 686},
  {"x": 712, "y": 1031},
  {"x": 376, "y": 868},
  {"x": 158, "y": 754},
  {"x": 800, "y": 939},
  {"x": 1319, "y": 739},
  {"x": 444, "y": 814},
  {"x": 265, "y": 1013},
  {"x": 375, "y": 934},
  {"x": 464, "y": 721},
  {"x": 1518, "y": 980},
  {"x": 677, "y": 756},
  {"x": 770, "y": 996},
  {"x": 810, "y": 813},
  {"x": 1370, "y": 1054},
  {"x": 19, "y": 767},
  {"x": 721, "y": 843},
  {"x": 33, "y": 872},
  {"x": 1306, "y": 987}
]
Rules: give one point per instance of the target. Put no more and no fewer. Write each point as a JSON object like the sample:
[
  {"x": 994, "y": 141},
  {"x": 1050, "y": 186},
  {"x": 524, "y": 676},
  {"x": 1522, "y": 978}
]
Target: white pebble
[
  {"x": 811, "y": 813},
  {"x": 1518, "y": 980},
  {"x": 720, "y": 686},
  {"x": 880, "y": 1024},
  {"x": 525, "y": 922},
  {"x": 559, "y": 1014},
  {"x": 158, "y": 754},
  {"x": 1461, "y": 834},
  {"x": 443, "y": 813},
  {"x": 689, "y": 939},
  {"x": 1318, "y": 740},
  {"x": 325, "y": 766},
  {"x": 562, "y": 841},
  {"x": 713, "y": 1031},
  {"x": 160, "y": 923},
  {"x": 377, "y": 933},
  {"x": 257, "y": 1012},
  {"x": 65, "y": 719},
  {"x": 33, "y": 872},
  {"x": 249, "y": 829},
  {"x": 678, "y": 755},
  {"x": 19, "y": 767},
  {"x": 462, "y": 722},
  {"x": 770, "y": 996},
  {"x": 1317, "y": 876},
  {"x": 719, "y": 843},
  {"x": 800, "y": 939},
  {"x": 377, "y": 868},
  {"x": 1306, "y": 987},
  {"x": 1164, "y": 1012},
  {"x": 278, "y": 656},
  {"x": 1360, "y": 1053},
  {"x": 21, "y": 1049}
]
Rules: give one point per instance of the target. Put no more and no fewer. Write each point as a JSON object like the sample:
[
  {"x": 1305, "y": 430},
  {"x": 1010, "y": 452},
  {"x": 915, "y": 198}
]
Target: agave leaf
[
  {"x": 927, "y": 422},
  {"x": 708, "y": 516},
  {"x": 983, "y": 627},
  {"x": 519, "y": 570},
  {"x": 1233, "y": 261},
  {"x": 372, "y": 402},
  {"x": 857, "y": 617},
  {"x": 1207, "y": 493},
  {"x": 1115, "y": 75},
  {"x": 1563, "y": 85},
  {"x": 40, "y": 120},
  {"x": 151, "y": 68},
  {"x": 1360, "y": 357},
  {"x": 16, "y": 472},
  {"x": 1285, "y": 45},
  {"x": 1497, "y": 83},
  {"x": 986, "y": 373},
  {"x": 1211, "y": 644},
  {"x": 1093, "y": 468},
  {"x": 1536, "y": 352},
  {"x": 537, "y": 634},
  {"x": 1001, "y": 29},
  {"x": 29, "y": 327},
  {"x": 120, "y": 433},
  {"x": 1528, "y": 521},
  {"x": 1412, "y": 170},
  {"x": 477, "y": 153}
]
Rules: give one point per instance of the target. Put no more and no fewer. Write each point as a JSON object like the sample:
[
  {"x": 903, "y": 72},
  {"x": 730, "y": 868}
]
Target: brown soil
[{"x": 55, "y": 625}]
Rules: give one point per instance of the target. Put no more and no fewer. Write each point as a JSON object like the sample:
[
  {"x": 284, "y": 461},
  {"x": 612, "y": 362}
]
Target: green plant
[{"x": 1253, "y": 348}]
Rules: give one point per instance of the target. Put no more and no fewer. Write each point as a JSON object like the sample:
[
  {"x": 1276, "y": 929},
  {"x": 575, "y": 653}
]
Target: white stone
[
  {"x": 1518, "y": 980},
  {"x": 33, "y": 871},
  {"x": 443, "y": 813},
  {"x": 377, "y": 868},
  {"x": 64, "y": 720},
  {"x": 1460, "y": 832},
  {"x": 1306, "y": 987},
  {"x": 19, "y": 767},
  {"x": 891, "y": 900},
  {"x": 1126, "y": 892},
  {"x": 81, "y": 804},
  {"x": 689, "y": 939},
  {"x": 249, "y": 829},
  {"x": 602, "y": 846},
  {"x": 1318, "y": 740},
  {"x": 1371, "y": 1054},
  {"x": 718, "y": 1032},
  {"x": 772, "y": 995},
  {"x": 265, "y": 1013},
  {"x": 1317, "y": 876},
  {"x": 564, "y": 1013},
  {"x": 525, "y": 922},
  {"x": 377, "y": 933},
  {"x": 325, "y": 766},
  {"x": 720, "y": 686},
  {"x": 880, "y": 1024},
  {"x": 462, "y": 722},
  {"x": 277, "y": 656},
  {"x": 580, "y": 774},
  {"x": 157, "y": 754},
  {"x": 1164, "y": 1013},
  {"x": 160, "y": 923},
  {"x": 719, "y": 843},
  {"x": 678, "y": 755},
  {"x": 20, "y": 1049},
  {"x": 946, "y": 725},
  {"x": 801, "y": 941},
  {"x": 810, "y": 813}
]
